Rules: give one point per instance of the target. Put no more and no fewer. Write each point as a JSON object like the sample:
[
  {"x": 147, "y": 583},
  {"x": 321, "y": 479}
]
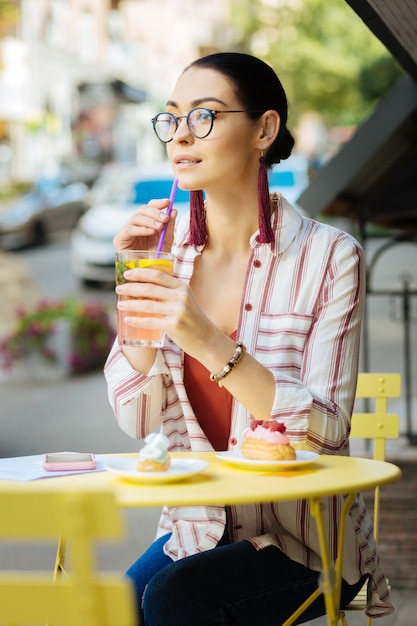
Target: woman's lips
[{"x": 185, "y": 160}]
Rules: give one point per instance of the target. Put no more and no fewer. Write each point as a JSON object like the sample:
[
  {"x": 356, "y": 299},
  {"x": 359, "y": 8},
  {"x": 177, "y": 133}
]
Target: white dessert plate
[
  {"x": 178, "y": 470},
  {"x": 303, "y": 457}
]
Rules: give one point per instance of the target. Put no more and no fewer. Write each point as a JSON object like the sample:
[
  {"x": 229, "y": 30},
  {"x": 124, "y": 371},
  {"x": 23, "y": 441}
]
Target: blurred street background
[{"x": 79, "y": 84}]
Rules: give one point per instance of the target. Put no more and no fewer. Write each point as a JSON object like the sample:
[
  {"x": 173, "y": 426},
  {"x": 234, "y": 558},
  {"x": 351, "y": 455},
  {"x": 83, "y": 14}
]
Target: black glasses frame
[{"x": 176, "y": 118}]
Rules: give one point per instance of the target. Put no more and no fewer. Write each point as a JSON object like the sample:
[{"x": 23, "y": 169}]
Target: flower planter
[
  {"x": 58, "y": 339},
  {"x": 54, "y": 362}
]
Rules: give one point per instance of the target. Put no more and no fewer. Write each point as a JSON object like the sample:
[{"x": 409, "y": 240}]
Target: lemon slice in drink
[
  {"x": 165, "y": 265},
  {"x": 155, "y": 264}
]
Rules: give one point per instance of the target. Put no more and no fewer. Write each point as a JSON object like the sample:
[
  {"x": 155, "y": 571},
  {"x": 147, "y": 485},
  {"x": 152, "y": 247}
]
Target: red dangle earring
[
  {"x": 198, "y": 229},
  {"x": 264, "y": 206}
]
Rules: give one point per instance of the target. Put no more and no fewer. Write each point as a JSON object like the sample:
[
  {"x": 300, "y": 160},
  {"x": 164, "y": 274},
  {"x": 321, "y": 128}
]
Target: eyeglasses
[{"x": 199, "y": 121}]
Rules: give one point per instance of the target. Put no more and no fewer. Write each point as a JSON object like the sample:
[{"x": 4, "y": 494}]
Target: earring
[
  {"x": 264, "y": 207},
  {"x": 198, "y": 229}
]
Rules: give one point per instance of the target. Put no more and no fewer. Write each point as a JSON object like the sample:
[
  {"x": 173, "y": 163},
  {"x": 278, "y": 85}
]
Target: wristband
[{"x": 237, "y": 355}]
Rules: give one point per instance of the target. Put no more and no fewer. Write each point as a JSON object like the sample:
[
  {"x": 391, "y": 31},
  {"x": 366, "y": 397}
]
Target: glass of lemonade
[{"x": 129, "y": 259}]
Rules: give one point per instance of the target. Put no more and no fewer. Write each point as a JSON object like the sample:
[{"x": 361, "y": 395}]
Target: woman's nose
[{"x": 182, "y": 132}]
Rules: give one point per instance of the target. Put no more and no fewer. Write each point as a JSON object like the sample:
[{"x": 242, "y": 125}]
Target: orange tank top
[{"x": 211, "y": 404}]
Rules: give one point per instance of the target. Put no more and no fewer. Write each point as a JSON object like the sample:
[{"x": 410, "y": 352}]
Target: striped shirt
[{"x": 300, "y": 316}]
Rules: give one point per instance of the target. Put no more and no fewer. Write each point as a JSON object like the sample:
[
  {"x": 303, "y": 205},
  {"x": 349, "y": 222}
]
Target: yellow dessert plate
[
  {"x": 180, "y": 469},
  {"x": 303, "y": 457}
]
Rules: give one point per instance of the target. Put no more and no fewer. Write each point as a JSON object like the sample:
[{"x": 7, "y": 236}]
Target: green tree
[{"x": 327, "y": 59}]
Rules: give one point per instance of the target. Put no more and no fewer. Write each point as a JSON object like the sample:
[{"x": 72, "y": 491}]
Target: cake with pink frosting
[{"x": 267, "y": 441}]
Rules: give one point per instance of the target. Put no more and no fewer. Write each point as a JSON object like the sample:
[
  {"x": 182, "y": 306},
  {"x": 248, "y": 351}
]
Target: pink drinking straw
[{"x": 169, "y": 210}]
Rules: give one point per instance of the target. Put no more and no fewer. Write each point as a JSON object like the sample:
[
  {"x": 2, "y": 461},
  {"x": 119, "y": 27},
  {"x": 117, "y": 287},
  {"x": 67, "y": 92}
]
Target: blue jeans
[{"x": 233, "y": 584}]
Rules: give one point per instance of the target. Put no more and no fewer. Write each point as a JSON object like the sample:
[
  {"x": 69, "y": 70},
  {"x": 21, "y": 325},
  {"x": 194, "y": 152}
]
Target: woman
[{"x": 248, "y": 268}]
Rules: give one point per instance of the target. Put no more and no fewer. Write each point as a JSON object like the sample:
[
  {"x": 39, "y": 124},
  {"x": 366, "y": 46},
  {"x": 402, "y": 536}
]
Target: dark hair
[{"x": 259, "y": 89}]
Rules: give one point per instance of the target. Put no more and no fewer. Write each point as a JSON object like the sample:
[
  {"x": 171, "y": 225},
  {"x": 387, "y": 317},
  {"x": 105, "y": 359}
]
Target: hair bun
[{"x": 281, "y": 148}]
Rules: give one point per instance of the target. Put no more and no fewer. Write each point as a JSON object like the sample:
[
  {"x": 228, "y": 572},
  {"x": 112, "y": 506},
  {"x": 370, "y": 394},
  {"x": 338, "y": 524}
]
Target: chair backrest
[
  {"x": 87, "y": 597},
  {"x": 377, "y": 425}
]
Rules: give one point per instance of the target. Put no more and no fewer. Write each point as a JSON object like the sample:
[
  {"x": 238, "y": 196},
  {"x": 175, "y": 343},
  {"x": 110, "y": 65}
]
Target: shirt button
[
  {"x": 248, "y": 307},
  {"x": 257, "y": 263},
  {"x": 233, "y": 441}
]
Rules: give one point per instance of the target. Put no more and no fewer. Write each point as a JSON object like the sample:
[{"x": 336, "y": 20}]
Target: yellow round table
[{"x": 223, "y": 484}]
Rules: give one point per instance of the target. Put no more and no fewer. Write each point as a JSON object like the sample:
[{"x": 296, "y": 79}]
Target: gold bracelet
[{"x": 237, "y": 355}]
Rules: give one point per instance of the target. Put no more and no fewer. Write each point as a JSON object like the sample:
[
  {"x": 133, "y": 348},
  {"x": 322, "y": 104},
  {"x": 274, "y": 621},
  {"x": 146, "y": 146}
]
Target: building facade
[{"x": 81, "y": 79}]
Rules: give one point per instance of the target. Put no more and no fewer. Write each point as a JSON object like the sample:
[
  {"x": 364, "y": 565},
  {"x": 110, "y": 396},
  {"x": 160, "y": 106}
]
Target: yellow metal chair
[
  {"x": 377, "y": 426},
  {"x": 85, "y": 598}
]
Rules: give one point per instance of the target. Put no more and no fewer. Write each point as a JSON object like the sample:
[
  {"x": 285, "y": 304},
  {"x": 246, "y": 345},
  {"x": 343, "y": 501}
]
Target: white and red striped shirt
[{"x": 300, "y": 316}]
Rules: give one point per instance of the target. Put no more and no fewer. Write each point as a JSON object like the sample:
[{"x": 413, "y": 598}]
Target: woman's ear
[{"x": 270, "y": 123}]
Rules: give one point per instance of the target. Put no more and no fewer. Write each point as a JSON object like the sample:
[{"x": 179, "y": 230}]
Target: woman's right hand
[{"x": 142, "y": 230}]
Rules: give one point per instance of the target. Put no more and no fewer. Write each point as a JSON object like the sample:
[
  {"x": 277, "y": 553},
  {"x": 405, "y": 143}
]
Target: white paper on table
[{"x": 25, "y": 468}]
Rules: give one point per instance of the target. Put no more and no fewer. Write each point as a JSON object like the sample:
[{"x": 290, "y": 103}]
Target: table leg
[
  {"x": 303, "y": 607},
  {"x": 331, "y": 577},
  {"x": 339, "y": 560},
  {"x": 327, "y": 582},
  {"x": 59, "y": 567}
]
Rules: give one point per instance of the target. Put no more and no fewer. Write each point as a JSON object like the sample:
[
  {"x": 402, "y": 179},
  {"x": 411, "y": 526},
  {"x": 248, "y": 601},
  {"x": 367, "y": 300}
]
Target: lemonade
[{"x": 130, "y": 259}]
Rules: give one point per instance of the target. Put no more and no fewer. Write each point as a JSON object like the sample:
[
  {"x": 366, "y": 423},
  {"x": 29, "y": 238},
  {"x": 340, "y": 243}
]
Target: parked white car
[{"x": 116, "y": 194}]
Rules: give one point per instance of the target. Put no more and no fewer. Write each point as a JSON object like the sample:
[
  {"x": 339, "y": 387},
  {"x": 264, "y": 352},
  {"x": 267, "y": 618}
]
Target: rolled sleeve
[{"x": 138, "y": 400}]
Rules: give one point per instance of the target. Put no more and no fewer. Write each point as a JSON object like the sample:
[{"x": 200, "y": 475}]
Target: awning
[{"x": 374, "y": 176}]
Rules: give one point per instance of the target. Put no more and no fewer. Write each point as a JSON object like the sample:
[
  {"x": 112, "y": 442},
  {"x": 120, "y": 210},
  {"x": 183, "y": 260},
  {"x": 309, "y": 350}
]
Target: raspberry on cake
[
  {"x": 267, "y": 441},
  {"x": 154, "y": 456}
]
